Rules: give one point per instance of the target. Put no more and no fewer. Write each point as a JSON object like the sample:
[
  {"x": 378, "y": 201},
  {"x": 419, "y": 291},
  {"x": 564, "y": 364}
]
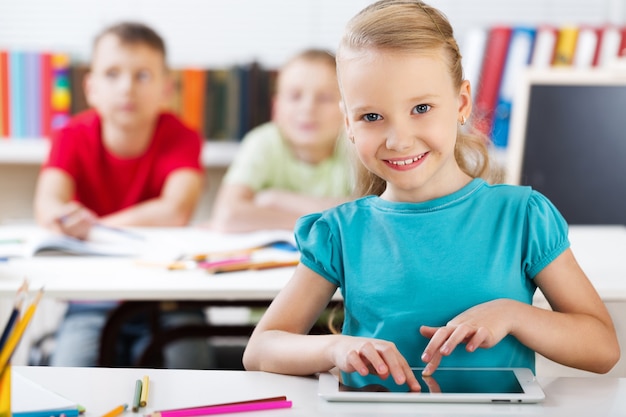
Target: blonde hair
[
  {"x": 413, "y": 26},
  {"x": 313, "y": 55}
]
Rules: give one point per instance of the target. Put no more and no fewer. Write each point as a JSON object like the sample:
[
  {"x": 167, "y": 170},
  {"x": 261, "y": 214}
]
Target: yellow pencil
[
  {"x": 143, "y": 401},
  {"x": 116, "y": 411},
  {"x": 16, "y": 336}
]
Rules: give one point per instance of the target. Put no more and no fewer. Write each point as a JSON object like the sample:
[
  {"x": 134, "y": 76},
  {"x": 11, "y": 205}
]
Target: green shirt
[{"x": 265, "y": 161}]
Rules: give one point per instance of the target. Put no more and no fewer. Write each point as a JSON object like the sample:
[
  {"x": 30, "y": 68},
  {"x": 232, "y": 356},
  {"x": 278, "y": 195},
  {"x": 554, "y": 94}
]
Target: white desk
[
  {"x": 101, "y": 389},
  {"x": 145, "y": 277}
]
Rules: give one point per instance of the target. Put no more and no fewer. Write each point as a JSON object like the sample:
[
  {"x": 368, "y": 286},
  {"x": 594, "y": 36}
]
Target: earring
[
  {"x": 462, "y": 120},
  {"x": 351, "y": 139}
]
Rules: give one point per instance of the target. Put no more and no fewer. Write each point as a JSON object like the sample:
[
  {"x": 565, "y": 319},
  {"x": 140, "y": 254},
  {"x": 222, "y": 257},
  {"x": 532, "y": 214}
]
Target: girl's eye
[
  {"x": 371, "y": 117},
  {"x": 112, "y": 73},
  {"x": 421, "y": 108}
]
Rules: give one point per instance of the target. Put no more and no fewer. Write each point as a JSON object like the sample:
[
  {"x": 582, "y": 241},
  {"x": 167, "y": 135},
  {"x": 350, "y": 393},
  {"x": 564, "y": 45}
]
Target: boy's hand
[
  {"x": 482, "y": 326},
  {"x": 75, "y": 220},
  {"x": 363, "y": 355}
]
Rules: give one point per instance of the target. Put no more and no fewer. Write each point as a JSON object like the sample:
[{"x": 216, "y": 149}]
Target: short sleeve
[
  {"x": 319, "y": 249},
  {"x": 250, "y": 165},
  {"x": 62, "y": 153},
  {"x": 546, "y": 234}
]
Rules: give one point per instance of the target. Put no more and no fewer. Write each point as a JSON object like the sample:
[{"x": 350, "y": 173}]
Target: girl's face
[{"x": 402, "y": 111}]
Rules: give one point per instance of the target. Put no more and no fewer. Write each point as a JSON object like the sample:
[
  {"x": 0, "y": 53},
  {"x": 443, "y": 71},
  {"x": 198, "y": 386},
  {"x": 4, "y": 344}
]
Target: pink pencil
[{"x": 223, "y": 409}]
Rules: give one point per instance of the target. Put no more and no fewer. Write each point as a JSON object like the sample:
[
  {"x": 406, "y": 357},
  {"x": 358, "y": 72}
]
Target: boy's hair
[
  {"x": 133, "y": 33},
  {"x": 313, "y": 54},
  {"x": 310, "y": 55},
  {"x": 413, "y": 26}
]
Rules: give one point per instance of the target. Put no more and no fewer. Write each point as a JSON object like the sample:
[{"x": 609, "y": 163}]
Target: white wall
[{"x": 224, "y": 32}]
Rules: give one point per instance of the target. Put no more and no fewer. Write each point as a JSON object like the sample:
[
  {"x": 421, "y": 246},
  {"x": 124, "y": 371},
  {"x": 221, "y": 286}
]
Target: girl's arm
[
  {"x": 578, "y": 332},
  {"x": 280, "y": 342}
]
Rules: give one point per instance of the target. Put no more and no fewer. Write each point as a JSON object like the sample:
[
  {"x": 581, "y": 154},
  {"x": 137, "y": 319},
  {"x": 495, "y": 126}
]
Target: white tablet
[{"x": 469, "y": 385}]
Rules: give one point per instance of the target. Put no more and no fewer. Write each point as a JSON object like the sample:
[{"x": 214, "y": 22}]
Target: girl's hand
[
  {"x": 482, "y": 326},
  {"x": 364, "y": 355}
]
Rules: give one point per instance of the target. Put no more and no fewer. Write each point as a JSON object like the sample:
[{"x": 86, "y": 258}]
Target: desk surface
[
  {"x": 101, "y": 389},
  {"x": 600, "y": 250},
  {"x": 145, "y": 277}
]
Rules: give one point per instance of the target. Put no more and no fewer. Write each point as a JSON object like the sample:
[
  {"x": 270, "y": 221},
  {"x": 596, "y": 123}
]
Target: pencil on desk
[
  {"x": 137, "y": 396},
  {"x": 16, "y": 335},
  {"x": 253, "y": 265},
  {"x": 143, "y": 400},
  {"x": 224, "y": 408},
  {"x": 116, "y": 411},
  {"x": 256, "y": 400}
]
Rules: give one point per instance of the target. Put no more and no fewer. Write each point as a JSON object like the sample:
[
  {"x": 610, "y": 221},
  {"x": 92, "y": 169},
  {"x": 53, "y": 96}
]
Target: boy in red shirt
[{"x": 122, "y": 163}]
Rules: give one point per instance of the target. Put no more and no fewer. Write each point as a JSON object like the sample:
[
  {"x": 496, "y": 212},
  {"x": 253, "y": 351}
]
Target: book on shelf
[
  {"x": 61, "y": 90},
  {"x": 586, "y": 48},
  {"x": 518, "y": 58},
  {"x": 45, "y": 100},
  {"x": 78, "y": 99},
  {"x": 565, "y": 48},
  {"x": 193, "y": 98},
  {"x": 473, "y": 48},
  {"x": 543, "y": 50},
  {"x": 17, "y": 88},
  {"x": 4, "y": 95},
  {"x": 491, "y": 76}
]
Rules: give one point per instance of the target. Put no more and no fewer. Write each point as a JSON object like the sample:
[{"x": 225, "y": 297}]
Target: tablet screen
[{"x": 453, "y": 381}]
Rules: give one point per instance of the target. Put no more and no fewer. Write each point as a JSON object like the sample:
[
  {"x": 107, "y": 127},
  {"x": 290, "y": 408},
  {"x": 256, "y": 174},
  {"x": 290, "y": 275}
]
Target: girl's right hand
[{"x": 381, "y": 357}]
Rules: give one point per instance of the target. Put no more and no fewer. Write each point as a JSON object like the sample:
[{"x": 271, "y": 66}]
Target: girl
[{"x": 435, "y": 265}]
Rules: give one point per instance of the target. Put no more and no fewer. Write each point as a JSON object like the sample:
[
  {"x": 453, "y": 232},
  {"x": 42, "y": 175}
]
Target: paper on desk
[{"x": 28, "y": 397}]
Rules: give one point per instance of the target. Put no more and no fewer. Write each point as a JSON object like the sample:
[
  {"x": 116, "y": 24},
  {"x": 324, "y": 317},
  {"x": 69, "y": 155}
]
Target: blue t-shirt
[{"x": 403, "y": 265}]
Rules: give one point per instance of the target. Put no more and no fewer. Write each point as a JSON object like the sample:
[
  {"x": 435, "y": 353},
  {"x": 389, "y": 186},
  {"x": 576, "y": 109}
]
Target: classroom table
[
  {"x": 101, "y": 389},
  {"x": 144, "y": 276}
]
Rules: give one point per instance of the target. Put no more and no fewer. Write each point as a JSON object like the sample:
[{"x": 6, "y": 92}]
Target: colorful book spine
[
  {"x": 518, "y": 58},
  {"x": 193, "y": 88},
  {"x": 565, "y": 48},
  {"x": 586, "y": 48},
  {"x": 61, "y": 90},
  {"x": 473, "y": 49},
  {"x": 491, "y": 76},
  {"x": 543, "y": 51},
  {"x": 17, "y": 93},
  {"x": 32, "y": 98},
  {"x": 46, "y": 94},
  {"x": 4, "y": 94}
]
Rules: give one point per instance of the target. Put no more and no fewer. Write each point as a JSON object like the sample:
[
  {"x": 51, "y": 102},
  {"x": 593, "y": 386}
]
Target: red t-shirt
[{"x": 106, "y": 183}]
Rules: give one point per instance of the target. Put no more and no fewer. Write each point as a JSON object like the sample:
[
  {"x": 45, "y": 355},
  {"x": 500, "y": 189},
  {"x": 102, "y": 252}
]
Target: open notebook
[{"x": 29, "y": 399}]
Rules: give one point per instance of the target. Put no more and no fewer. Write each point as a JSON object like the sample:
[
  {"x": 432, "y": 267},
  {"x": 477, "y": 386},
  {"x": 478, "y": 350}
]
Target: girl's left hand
[{"x": 482, "y": 326}]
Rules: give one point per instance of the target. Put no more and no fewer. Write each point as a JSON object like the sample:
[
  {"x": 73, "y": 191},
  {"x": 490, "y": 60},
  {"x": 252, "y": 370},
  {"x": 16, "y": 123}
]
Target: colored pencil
[
  {"x": 253, "y": 265},
  {"x": 137, "y": 396},
  {"x": 224, "y": 409},
  {"x": 257, "y": 400},
  {"x": 143, "y": 400},
  {"x": 116, "y": 411},
  {"x": 17, "y": 307},
  {"x": 16, "y": 335}
]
